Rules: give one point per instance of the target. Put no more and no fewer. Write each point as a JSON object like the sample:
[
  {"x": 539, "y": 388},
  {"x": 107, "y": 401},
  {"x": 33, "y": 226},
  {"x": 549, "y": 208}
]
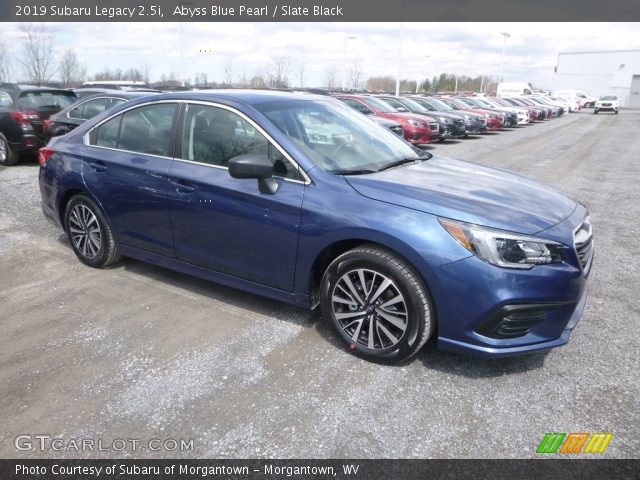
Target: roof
[
  {"x": 600, "y": 51},
  {"x": 252, "y": 97}
]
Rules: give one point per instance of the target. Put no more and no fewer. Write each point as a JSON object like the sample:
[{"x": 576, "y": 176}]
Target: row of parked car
[
  {"x": 30, "y": 116},
  {"x": 422, "y": 120}
]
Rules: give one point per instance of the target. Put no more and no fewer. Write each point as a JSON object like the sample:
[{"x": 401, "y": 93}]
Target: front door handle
[{"x": 183, "y": 187}]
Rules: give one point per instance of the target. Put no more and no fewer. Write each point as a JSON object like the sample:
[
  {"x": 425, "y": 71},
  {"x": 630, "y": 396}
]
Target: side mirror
[
  {"x": 254, "y": 166},
  {"x": 402, "y": 109}
]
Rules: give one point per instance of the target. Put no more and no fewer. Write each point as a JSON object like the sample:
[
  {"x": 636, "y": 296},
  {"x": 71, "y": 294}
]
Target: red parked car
[
  {"x": 418, "y": 129},
  {"x": 493, "y": 120}
]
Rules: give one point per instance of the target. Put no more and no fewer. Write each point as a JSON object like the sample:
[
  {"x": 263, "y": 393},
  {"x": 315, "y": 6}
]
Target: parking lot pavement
[{"x": 139, "y": 352}]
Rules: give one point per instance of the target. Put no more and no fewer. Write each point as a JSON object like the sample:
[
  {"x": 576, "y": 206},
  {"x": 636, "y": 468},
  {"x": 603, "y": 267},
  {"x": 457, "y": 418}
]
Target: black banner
[
  {"x": 317, "y": 10},
  {"x": 564, "y": 469}
]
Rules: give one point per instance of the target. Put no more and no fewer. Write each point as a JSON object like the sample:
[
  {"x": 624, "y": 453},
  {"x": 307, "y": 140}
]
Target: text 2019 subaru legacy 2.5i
[{"x": 302, "y": 199}]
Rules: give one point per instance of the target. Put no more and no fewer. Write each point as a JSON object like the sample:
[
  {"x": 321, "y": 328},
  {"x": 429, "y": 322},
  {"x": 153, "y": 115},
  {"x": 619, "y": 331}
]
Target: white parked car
[{"x": 607, "y": 103}]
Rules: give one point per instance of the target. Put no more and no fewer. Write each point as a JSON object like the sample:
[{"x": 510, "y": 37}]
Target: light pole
[
  {"x": 344, "y": 60},
  {"x": 418, "y": 83},
  {"x": 505, "y": 35}
]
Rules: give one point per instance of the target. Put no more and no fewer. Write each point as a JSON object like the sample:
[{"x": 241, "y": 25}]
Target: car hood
[{"x": 468, "y": 192}]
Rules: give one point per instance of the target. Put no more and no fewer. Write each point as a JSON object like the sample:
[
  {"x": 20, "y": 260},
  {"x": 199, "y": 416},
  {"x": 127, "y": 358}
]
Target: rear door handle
[
  {"x": 99, "y": 166},
  {"x": 183, "y": 187}
]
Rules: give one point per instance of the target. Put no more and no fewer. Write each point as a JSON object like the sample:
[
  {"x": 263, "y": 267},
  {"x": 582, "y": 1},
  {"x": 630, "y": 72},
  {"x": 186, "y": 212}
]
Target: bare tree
[
  {"x": 301, "y": 67},
  {"x": 244, "y": 80},
  {"x": 144, "y": 67},
  {"x": 228, "y": 71},
  {"x": 37, "y": 52},
  {"x": 279, "y": 74},
  {"x": 72, "y": 72},
  {"x": 202, "y": 80},
  {"x": 355, "y": 74},
  {"x": 5, "y": 63},
  {"x": 331, "y": 77}
]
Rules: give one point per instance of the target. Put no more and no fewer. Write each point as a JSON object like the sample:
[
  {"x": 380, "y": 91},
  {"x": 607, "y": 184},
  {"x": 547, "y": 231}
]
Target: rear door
[
  {"x": 223, "y": 223},
  {"x": 125, "y": 166}
]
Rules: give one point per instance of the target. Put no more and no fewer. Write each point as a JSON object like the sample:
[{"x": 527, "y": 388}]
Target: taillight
[
  {"x": 46, "y": 124},
  {"x": 24, "y": 117},
  {"x": 43, "y": 155}
]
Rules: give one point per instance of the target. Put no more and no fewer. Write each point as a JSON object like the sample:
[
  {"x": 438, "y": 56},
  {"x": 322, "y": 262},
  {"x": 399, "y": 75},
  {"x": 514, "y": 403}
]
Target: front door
[{"x": 226, "y": 224}]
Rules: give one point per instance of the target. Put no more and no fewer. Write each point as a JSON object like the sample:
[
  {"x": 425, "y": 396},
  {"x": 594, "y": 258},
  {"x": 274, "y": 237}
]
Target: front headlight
[
  {"x": 503, "y": 249},
  {"x": 445, "y": 120},
  {"x": 415, "y": 123}
]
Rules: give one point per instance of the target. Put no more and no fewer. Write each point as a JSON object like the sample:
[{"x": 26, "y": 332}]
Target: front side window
[
  {"x": 144, "y": 130},
  {"x": 214, "y": 135}
]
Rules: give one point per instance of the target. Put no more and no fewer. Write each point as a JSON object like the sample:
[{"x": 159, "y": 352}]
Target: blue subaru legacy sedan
[{"x": 301, "y": 199}]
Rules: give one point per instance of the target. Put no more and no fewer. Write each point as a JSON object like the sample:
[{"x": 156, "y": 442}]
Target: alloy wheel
[
  {"x": 370, "y": 309},
  {"x": 85, "y": 231}
]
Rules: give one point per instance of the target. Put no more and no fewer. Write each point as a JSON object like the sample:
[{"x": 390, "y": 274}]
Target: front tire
[
  {"x": 89, "y": 233},
  {"x": 377, "y": 304},
  {"x": 7, "y": 156}
]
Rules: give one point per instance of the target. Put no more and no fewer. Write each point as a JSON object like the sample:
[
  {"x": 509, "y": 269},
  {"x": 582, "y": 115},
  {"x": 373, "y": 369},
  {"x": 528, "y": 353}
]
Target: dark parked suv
[{"x": 23, "y": 110}]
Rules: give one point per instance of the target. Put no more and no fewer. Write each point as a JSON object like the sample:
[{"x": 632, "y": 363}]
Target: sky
[{"x": 418, "y": 50}]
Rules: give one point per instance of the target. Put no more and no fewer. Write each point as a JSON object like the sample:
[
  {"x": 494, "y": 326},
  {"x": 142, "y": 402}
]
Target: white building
[{"x": 598, "y": 73}]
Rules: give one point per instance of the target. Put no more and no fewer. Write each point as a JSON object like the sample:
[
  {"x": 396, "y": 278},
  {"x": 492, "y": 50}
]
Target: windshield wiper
[
  {"x": 397, "y": 163},
  {"x": 352, "y": 172}
]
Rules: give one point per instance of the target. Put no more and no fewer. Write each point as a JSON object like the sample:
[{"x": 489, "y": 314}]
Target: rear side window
[
  {"x": 144, "y": 130},
  {"x": 5, "y": 100},
  {"x": 36, "y": 100}
]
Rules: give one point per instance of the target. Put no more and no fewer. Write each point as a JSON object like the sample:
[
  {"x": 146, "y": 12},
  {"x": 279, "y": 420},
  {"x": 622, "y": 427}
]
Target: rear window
[
  {"x": 36, "y": 100},
  {"x": 5, "y": 100}
]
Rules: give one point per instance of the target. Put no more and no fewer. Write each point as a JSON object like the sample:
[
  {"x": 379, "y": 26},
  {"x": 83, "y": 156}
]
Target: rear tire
[
  {"x": 377, "y": 304},
  {"x": 7, "y": 156},
  {"x": 89, "y": 233}
]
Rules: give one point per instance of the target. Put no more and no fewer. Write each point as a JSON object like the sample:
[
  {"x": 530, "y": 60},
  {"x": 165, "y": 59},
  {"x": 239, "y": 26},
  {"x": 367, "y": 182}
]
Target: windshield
[
  {"x": 337, "y": 138},
  {"x": 379, "y": 105},
  {"x": 437, "y": 104},
  {"x": 608, "y": 97},
  {"x": 414, "y": 106},
  {"x": 467, "y": 102},
  {"x": 451, "y": 104},
  {"x": 483, "y": 103}
]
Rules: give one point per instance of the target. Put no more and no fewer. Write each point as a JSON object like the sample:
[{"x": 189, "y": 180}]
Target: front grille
[
  {"x": 583, "y": 241},
  {"x": 606, "y": 104},
  {"x": 434, "y": 127},
  {"x": 459, "y": 123},
  {"x": 483, "y": 120}
]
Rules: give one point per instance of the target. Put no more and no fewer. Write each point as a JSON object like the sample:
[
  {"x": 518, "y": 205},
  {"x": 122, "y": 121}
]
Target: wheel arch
[{"x": 332, "y": 251}]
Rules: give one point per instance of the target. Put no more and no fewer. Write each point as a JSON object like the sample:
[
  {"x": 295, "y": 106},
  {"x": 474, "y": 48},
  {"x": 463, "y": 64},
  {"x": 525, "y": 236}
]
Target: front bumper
[
  {"x": 451, "y": 131},
  {"x": 506, "y": 312}
]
